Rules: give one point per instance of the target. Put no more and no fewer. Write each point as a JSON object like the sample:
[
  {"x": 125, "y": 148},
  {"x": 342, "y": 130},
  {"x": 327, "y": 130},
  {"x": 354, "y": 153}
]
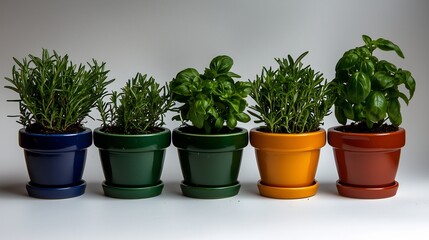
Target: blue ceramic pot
[{"x": 55, "y": 163}]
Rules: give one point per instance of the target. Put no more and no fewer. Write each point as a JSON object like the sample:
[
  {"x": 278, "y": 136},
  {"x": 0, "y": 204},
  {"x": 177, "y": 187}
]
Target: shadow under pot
[
  {"x": 132, "y": 164},
  {"x": 367, "y": 163},
  {"x": 55, "y": 163},
  {"x": 287, "y": 163},
  {"x": 210, "y": 163}
]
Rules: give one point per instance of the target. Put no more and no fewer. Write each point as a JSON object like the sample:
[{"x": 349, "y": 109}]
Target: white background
[{"x": 161, "y": 38}]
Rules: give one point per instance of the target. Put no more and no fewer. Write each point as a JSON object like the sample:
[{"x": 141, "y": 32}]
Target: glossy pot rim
[
  {"x": 288, "y": 141},
  {"x": 56, "y": 141},
  {"x": 257, "y": 129},
  {"x": 52, "y": 135},
  {"x": 210, "y": 142},
  {"x": 366, "y": 141},
  {"x": 220, "y": 135},
  {"x": 164, "y": 131},
  {"x": 140, "y": 142},
  {"x": 397, "y": 132}
]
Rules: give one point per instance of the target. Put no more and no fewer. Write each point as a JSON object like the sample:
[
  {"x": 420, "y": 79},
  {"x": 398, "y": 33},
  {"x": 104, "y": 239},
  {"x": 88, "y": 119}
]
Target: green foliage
[
  {"x": 55, "y": 94},
  {"x": 211, "y": 99},
  {"x": 290, "y": 99},
  {"x": 138, "y": 109},
  {"x": 367, "y": 89}
]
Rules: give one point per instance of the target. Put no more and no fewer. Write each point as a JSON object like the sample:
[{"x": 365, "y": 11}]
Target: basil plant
[
  {"x": 211, "y": 99},
  {"x": 368, "y": 89}
]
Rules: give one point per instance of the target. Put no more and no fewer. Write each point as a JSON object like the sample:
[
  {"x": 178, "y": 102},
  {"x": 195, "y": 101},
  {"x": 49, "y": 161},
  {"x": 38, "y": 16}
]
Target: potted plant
[
  {"x": 367, "y": 92},
  {"x": 55, "y": 96},
  {"x": 132, "y": 139},
  {"x": 210, "y": 149},
  {"x": 291, "y": 101}
]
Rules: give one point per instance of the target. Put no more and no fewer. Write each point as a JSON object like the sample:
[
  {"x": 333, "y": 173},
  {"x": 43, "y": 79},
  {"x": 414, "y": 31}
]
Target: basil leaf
[
  {"x": 383, "y": 80},
  {"x": 367, "y": 40},
  {"x": 367, "y": 66},
  {"x": 231, "y": 122},
  {"x": 212, "y": 111},
  {"x": 233, "y": 75},
  {"x": 187, "y": 75},
  {"x": 347, "y": 61},
  {"x": 182, "y": 90},
  {"x": 243, "y": 88},
  {"x": 376, "y": 107},
  {"x": 219, "y": 123},
  {"x": 394, "y": 112},
  {"x": 358, "y": 112},
  {"x": 201, "y": 106},
  {"x": 235, "y": 104},
  {"x": 242, "y": 117},
  {"x": 410, "y": 83},
  {"x": 221, "y": 64},
  {"x": 347, "y": 110},
  {"x": 387, "y": 45},
  {"x": 195, "y": 116},
  {"x": 340, "y": 116},
  {"x": 386, "y": 67},
  {"x": 359, "y": 87},
  {"x": 209, "y": 73}
]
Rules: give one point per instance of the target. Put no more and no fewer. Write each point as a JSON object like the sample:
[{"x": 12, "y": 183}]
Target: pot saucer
[
  {"x": 287, "y": 193},
  {"x": 45, "y": 192},
  {"x": 209, "y": 192},
  {"x": 132, "y": 192},
  {"x": 367, "y": 192}
]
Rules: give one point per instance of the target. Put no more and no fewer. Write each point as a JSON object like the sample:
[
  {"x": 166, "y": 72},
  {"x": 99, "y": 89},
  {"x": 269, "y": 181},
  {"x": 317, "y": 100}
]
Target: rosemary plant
[
  {"x": 55, "y": 94},
  {"x": 138, "y": 109},
  {"x": 290, "y": 99}
]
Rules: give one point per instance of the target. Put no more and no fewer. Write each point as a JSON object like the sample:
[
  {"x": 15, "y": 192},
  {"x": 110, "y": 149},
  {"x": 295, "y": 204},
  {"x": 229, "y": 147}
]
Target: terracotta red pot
[{"x": 367, "y": 163}]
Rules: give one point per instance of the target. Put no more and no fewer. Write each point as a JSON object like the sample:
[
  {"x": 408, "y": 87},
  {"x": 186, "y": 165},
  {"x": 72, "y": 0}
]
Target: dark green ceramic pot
[
  {"x": 132, "y": 164},
  {"x": 210, "y": 163}
]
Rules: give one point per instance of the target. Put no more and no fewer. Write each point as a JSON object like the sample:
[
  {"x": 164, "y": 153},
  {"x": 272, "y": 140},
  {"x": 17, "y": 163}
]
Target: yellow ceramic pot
[{"x": 287, "y": 162}]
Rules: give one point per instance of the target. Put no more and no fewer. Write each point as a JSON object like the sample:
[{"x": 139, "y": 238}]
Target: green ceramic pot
[
  {"x": 132, "y": 164},
  {"x": 210, "y": 163}
]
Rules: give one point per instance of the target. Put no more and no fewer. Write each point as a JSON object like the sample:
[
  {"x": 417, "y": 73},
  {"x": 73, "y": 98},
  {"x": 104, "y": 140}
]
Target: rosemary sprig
[
  {"x": 54, "y": 94},
  {"x": 291, "y": 98},
  {"x": 139, "y": 108}
]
